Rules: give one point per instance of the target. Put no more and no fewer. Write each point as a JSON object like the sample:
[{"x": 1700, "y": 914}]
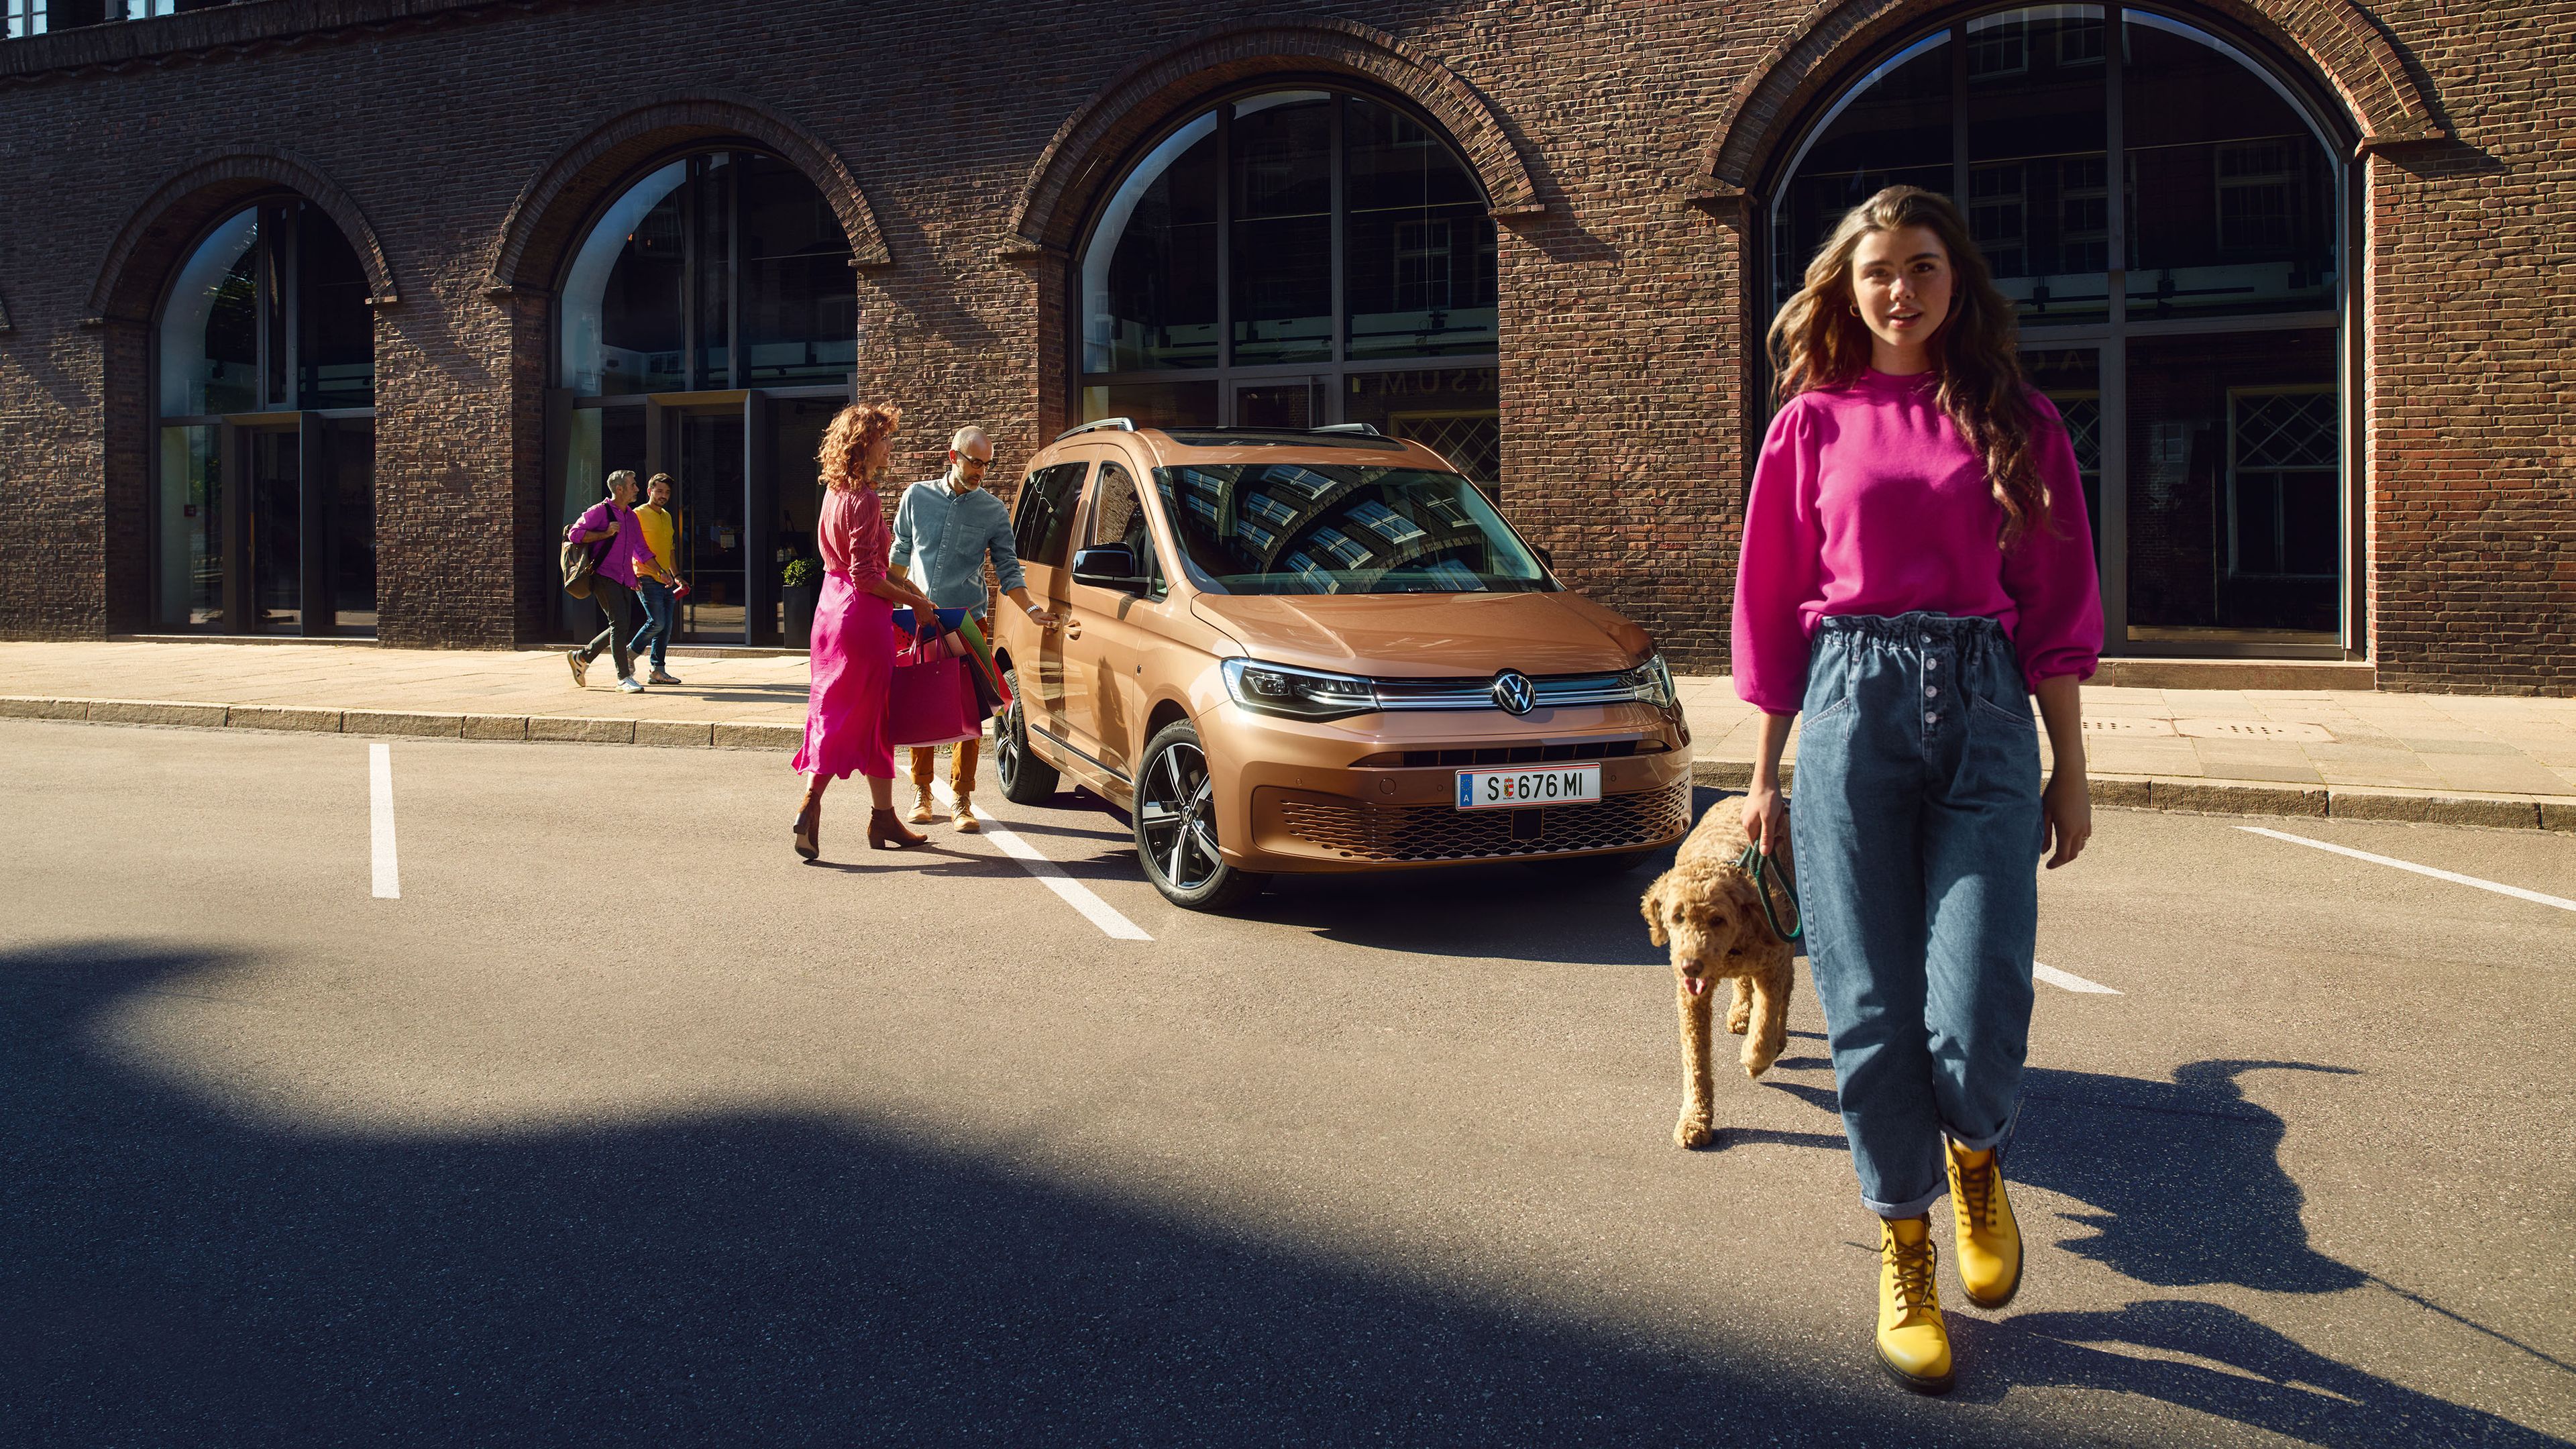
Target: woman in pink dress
[{"x": 853, "y": 658}]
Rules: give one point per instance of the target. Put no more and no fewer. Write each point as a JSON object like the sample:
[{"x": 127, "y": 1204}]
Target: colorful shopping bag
[{"x": 931, "y": 700}]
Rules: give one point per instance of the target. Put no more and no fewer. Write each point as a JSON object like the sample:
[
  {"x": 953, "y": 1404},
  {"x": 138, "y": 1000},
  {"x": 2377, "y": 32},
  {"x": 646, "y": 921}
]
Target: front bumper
[{"x": 1378, "y": 792}]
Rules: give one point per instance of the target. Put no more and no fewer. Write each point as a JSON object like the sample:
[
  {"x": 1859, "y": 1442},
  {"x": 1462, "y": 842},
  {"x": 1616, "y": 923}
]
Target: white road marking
[
  {"x": 2068, "y": 980},
  {"x": 1049, "y": 874},
  {"x": 2517, "y": 892},
  {"x": 380, "y": 821}
]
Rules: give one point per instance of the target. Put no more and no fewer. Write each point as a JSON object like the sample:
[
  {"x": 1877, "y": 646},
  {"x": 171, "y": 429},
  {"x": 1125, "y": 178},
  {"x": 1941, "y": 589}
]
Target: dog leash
[{"x": 1755, "y": 863}]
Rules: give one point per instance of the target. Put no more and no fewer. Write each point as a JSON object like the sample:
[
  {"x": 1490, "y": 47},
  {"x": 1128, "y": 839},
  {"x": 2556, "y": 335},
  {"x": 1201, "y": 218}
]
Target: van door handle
[{"x": 1073, "y": 628}]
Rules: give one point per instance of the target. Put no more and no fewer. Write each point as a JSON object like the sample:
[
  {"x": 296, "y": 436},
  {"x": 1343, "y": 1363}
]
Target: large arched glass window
[
  {"x": 264, "y": 510},
  {"x": 2189, "y": 322},
  {"x": 709, "y": 329},
  {"x": 1295, "y": 258}
]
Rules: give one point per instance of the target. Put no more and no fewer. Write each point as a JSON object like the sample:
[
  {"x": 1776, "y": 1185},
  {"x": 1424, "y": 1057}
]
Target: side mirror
[{"x": 1108, "y": 566}]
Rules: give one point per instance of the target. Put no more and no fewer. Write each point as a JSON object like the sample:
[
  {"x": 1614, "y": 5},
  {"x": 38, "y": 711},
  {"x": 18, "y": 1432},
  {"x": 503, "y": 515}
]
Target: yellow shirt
[{"x": 657, "y": 537}]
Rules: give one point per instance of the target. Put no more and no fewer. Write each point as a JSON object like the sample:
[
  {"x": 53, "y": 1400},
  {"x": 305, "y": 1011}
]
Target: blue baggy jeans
[{"x": 1916, "y": 826}]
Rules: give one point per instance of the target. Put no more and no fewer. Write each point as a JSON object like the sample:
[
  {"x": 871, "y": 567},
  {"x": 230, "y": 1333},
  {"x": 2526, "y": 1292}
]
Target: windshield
[{"x": 1341, "y": 528}]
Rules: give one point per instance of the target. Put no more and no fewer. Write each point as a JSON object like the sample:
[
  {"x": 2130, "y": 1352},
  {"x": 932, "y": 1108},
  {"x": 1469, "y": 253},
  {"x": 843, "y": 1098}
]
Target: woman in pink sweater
[{"x": 1916, "y": 566}]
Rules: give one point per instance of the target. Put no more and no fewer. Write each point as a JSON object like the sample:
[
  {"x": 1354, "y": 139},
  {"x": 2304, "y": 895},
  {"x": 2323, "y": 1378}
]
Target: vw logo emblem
[{"x": 1514, "y": 692}]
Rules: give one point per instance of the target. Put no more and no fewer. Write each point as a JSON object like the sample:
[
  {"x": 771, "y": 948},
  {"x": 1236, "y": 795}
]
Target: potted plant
[{"x": 801, "y": 585}]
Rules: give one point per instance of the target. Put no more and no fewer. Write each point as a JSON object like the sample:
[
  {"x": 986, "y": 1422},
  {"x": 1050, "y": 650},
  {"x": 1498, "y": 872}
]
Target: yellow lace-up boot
[
  {"x": 1913, "y": 1345},
  {"x": 1989, "y": 1243}
]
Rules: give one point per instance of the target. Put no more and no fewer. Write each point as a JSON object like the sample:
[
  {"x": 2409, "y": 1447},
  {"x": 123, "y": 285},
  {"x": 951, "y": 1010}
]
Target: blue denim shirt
[{"x": 941, "y": 537}]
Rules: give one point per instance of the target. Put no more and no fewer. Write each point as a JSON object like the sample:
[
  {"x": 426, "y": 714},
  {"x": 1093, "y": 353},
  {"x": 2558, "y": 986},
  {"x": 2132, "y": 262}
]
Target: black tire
[
  {"x": 1175, "y": 823},
  {"x": 1026, "y": 779},
  {"x": 1594, "y": 867}
]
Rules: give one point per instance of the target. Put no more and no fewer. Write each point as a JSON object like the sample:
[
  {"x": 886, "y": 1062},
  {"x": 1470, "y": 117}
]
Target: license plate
[{"x": 1519, "y": 789}]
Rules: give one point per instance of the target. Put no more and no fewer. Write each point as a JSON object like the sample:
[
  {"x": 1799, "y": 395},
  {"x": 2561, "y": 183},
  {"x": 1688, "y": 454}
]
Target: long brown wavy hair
[
  {"x": 1819, "y": 341},
  {"x": 841, "y": 461}
]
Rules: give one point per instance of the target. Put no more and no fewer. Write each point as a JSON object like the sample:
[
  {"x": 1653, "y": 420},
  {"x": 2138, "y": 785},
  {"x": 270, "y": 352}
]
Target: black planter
[{"x": 801, "y": 599}]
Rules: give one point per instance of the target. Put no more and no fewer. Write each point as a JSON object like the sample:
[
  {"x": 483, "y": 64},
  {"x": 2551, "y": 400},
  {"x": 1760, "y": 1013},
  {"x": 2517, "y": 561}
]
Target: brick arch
[
  {"x": 551, "y": 209},
  {"x": 170, "y": 220},
  {"x": 1091, "y": 144},
  {"x": 2340, "y": 44}
]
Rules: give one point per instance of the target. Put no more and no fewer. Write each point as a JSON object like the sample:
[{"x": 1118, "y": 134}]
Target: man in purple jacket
[{"x": 611, "y": 521}]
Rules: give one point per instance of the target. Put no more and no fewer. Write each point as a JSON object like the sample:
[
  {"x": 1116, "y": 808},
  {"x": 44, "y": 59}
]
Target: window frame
[
  {"x": 1331, "y": 373},
  {"x": 694, "y": 377}
]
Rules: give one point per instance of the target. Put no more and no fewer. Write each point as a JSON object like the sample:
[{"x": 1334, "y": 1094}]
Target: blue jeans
[
  {"x": 658, "y": 606},
  {"x": 1916, "y": 826}
]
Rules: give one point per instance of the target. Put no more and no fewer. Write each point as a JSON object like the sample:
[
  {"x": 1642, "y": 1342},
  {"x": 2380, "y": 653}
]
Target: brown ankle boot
[
  {"x": 809, "y": 827},
  {"x": 887, "y": 833}
]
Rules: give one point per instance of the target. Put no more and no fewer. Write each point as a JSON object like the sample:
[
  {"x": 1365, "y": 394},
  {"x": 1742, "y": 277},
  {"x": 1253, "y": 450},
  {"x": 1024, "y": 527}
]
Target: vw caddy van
[{"x": 1324, "y": 650}]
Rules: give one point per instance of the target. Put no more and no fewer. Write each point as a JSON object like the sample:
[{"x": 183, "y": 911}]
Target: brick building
[{"x": 318, "y": 315}]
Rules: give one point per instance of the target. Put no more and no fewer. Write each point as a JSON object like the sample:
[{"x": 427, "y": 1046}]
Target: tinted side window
[
  {"x": 1045, "y": 522},
  {"x": 1118, "y": 516}
]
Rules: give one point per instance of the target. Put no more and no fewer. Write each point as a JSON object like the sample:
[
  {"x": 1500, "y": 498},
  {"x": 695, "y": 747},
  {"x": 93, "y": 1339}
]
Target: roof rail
[
  {"x": 1368, "y": 428},
  {"x": 1124, "y": 425}
]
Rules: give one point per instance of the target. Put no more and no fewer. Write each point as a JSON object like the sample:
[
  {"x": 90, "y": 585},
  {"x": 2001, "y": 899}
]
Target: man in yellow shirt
[{"x": 658, "y": 581}]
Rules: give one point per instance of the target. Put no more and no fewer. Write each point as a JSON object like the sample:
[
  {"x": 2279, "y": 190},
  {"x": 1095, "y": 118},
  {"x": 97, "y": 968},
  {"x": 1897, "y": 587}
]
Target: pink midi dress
[{"x": 853, "y": 652}]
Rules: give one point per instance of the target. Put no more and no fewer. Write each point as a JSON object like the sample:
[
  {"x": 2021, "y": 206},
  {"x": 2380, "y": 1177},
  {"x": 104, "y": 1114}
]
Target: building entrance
[
  {"x": 264, "y": 510},
  {"x": 742, "y": 490}
]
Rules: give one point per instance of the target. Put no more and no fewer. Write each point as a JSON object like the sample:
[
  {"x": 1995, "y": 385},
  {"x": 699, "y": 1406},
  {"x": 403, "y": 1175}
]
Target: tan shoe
[
  {"x": 1989, "y": 1242},
  {"x": 1913, "y": 1343},
  {"x": 922, "y": 810},
  {"x": 964, "y": 817}
]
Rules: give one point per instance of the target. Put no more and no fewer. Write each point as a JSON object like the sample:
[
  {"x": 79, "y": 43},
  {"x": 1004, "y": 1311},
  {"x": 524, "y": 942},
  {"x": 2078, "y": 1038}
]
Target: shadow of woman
[
  {"x": 2213, "y": 1359},
  {"x": 2185, "y": 1177}
]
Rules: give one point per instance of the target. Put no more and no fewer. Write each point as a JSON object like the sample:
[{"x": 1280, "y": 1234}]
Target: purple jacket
[{"x": 617, "y": 565}]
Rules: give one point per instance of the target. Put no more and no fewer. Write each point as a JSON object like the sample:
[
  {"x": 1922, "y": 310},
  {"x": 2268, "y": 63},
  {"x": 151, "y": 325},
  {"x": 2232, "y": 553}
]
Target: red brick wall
[{"x": 1626, "y": 315}]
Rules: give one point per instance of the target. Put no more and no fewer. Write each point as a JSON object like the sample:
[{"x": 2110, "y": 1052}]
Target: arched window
[
  {"x": 709, "y": 328},
  {"x": 2189, "y": 322},
  {"x": 265, "y": 509},
  {"x": 1294, "y": 258}
]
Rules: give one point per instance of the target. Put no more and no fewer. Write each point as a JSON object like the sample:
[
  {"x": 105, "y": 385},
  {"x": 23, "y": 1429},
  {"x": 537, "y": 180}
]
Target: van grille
[
  {"x": 1507, "y": 754},
  {"x": 1395, "y": 833}
]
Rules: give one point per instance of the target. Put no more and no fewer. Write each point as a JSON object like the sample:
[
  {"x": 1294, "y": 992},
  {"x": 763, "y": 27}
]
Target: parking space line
[
  {"x": 1049, "y": 874},
  {"x": 2069, "y": 981},
  {"x": 380, "y": 821},
  {"x": 2517, "y": 892}
]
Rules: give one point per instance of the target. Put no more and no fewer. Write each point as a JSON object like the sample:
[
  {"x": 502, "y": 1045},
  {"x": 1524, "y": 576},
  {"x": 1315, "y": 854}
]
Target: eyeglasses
[{"x": 969, "y": 460}]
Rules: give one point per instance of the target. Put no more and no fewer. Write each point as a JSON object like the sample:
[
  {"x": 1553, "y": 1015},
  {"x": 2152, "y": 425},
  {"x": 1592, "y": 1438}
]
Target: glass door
[
  {"x": 714, "y": 535},
  {"x": 271, "y": 460}
]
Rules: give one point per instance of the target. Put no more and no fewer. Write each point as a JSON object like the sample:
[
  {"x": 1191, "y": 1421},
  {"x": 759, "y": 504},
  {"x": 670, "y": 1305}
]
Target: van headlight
[
  {"x": 1652, "y": 682},
  {"x": 1297, "y": 693}
]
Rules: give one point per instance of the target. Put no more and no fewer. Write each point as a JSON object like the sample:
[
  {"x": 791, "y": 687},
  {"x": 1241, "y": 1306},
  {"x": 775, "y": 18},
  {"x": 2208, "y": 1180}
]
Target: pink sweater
[{"x": 1867, "y": 501}]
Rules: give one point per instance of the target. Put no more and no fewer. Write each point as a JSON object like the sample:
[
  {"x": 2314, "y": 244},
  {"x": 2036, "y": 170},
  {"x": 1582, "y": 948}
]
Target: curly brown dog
[{"x": 1707, "y": 909}]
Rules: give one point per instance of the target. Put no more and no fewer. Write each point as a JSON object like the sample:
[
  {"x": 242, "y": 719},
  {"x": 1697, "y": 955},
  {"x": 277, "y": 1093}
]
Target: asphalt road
[{"x": 619, "y": 1124}]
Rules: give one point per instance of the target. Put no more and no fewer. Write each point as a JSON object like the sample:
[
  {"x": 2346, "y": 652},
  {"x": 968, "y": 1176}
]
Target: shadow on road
[
  {"x": 2213, "y": 1359},
  {"x": 2186, "y": 1180},
  {"x": 2186, "y": 1177},
  {"x": 173, "y": 1273}
]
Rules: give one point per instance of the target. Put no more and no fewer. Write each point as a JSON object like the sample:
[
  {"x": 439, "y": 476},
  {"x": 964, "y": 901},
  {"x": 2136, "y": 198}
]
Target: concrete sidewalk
[{"x": 2453, "y": 759}]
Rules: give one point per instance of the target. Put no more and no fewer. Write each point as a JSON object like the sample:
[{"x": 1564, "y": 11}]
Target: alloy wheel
[{"x": 1176, "y": 817}]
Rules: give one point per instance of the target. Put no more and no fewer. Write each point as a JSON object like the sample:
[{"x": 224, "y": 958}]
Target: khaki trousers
[{"x": 961, "y": 773}]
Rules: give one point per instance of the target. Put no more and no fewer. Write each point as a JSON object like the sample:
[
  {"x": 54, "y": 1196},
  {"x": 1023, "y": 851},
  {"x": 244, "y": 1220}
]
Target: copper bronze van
[{"x": 1321, "y": 651}]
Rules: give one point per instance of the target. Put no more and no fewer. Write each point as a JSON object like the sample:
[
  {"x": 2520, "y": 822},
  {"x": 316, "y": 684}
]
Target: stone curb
[
  {"x": 2249, "y": 797},
  {"x": 2128, "y": 792}
]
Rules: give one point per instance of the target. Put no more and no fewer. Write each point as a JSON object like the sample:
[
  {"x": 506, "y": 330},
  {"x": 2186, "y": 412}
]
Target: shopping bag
[{"x": 931, "y": 701}]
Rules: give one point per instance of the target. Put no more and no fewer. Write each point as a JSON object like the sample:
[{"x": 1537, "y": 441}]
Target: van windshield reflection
[{"x": 1332, "y": 528}]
